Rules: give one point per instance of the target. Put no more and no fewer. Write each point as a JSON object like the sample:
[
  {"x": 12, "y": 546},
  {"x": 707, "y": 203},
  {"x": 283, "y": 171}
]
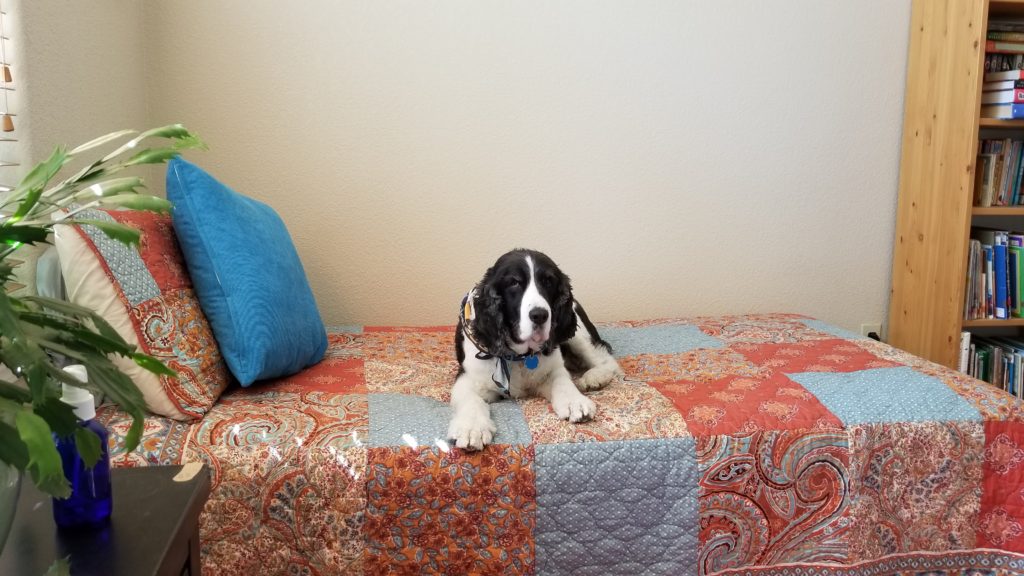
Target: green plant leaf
[
  {"x": 60, "y": 416},
  {"x": 123, "y": 391},
  {"x": 115, "y": 230},
  {"x": 153, "y": 365},
  {"x": 153, "y": 156},
  {"x": 28, "y": 191},
  {"x": 138, "y": 202},
  {"x": 14, "y": 393},
  {"x": 43, "y": 459},
  {"x": 23, "y": 234},
  {"x": 73, "y": 331},
  {"x": 190, "y": 142},
  {"x": 12, "y": 450},
  {"x": 112, "y": 187},
  {"x": 104, "y": 328},
  {"x": 90, "y": 174},
  {"x": 63, "y": 350},
  {"x": 168, "y": 131},
  {"x": 25, "y": 358},
  {"x": 88, "y": 445},
  {"x": 101, "y": 141},
  {"x": 26, "y": 205},
  {"x": 66, "y": 308},
  {"x": 61, "y": 567}
]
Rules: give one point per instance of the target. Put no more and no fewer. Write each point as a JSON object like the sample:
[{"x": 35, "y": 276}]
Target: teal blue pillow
[{"x": 247, "y": 276}]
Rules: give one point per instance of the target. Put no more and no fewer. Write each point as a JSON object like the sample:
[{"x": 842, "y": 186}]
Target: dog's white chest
[{"x": 523, "y": 380}]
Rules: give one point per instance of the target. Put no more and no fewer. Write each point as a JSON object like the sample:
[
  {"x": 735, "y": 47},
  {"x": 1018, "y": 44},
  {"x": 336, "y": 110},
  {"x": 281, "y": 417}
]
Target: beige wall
[
  {"x": 80, "y": 71},
  {"x": 675, "y": 157}
]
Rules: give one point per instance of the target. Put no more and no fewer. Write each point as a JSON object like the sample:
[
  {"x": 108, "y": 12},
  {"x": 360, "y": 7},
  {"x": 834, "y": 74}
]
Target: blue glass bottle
[{"x": 90, "y": 503}]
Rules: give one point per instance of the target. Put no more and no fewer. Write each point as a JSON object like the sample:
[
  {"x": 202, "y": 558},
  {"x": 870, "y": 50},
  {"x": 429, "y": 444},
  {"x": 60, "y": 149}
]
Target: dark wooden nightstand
[{"x": 154, "y": 529}]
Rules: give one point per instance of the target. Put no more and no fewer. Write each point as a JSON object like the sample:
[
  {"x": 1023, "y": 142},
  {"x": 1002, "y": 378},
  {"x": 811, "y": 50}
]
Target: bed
[{"x": 757, "y": 444}]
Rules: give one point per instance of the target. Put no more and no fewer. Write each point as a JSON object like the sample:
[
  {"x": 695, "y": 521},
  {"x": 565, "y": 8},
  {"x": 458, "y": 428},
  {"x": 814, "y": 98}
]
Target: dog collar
[{"x": 502, "y": 375}]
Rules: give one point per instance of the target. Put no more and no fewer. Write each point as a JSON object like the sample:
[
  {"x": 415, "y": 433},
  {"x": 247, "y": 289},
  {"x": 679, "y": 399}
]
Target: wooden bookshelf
[{"x": 941, "y": 128}]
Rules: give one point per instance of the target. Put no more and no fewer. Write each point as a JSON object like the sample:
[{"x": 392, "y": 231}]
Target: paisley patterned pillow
[{"x": 147, "y": 296}]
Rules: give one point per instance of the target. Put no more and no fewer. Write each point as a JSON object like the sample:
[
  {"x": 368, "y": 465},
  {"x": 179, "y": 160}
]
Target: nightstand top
[{"x": 153, "y": 515}]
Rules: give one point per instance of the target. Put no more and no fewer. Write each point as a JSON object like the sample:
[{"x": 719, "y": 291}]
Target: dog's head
[{"x": 523, "y": 304}]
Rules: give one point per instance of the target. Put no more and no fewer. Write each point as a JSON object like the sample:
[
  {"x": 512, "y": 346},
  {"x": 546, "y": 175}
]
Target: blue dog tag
[{"x": 531, "y": 362}]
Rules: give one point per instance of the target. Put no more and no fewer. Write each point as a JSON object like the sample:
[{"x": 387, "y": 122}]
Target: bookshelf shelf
[
  {"x": 1000, "y": 123},
  {"x": 997, "y": 211},
  {"x": 992, "y": 323}
]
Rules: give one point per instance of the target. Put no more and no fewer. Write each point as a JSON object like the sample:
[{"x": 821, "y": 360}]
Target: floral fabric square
[
  {"x": 431, "y": 511},
  {"x": 746, "y": 404},
  {"x": 1001, "y": 520}
]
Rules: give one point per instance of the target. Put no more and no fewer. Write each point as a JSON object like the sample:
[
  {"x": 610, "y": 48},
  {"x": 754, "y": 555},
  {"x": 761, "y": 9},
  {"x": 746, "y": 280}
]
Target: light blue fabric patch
[
  {"x": 406, "y": 420},
  {"x": 886, "y": 395},
  {"x": 830, "y": 329},
  {"x": 124, "y": 261},
  {"x": 617, "y": 507},
  {"x": 668, "y": 339},
  {"x": 247, "y": 275}
]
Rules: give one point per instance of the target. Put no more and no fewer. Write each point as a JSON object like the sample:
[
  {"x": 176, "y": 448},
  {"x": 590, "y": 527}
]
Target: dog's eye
[
  {"x": 512, "y": 282},
  {"x": 547, "y": 281}
]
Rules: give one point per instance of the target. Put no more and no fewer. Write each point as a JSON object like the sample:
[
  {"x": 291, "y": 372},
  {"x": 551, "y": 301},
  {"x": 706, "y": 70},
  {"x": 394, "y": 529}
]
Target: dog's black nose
[{"x": 538, "y": 315}]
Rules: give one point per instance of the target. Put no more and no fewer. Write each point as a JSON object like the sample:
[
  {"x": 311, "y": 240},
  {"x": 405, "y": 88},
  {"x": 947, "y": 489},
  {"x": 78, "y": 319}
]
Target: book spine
[
  {"x": 1005, "y": 111},
  {"x": 1019, "y": 156},
  {"x": 965, "y": 350},
  {"x": 1000, "y": 76},
  {"x": 1000, "y": 288},
  {"x": 989, "y": 284},
  {"x": 1012, "y": 293},
  {"x": 1002, "y": 85},
  {"x": 1018, "y": 259},
  {"x": 1013, "y": 96},
  {"x": 1000, "y": 171},
  {"x": 998, "y": 47},
  {"x": 1003, "y": 35}
]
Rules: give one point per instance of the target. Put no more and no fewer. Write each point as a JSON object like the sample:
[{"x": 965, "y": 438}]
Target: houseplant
[{"x": 35, "y": 331}]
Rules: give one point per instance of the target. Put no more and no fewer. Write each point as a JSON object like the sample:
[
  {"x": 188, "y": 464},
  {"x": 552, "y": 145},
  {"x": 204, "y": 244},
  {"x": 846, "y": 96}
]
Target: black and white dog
[{"x": 520, "y": 332}]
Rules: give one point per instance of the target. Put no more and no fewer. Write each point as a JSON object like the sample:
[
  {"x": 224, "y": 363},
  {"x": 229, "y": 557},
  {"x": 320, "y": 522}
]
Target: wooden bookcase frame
[{"x": 941, "y": 127}]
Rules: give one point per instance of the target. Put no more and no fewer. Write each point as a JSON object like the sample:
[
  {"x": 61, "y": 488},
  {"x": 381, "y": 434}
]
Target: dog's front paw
[
  {"x": 471, "y": 431},
  {"x": 575, "y": 408},
  {"x": 599, "y": 376}
]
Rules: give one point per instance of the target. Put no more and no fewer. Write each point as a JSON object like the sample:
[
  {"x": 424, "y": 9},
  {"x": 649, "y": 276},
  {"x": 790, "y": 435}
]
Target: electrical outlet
[{"x": 866, "y": 329}]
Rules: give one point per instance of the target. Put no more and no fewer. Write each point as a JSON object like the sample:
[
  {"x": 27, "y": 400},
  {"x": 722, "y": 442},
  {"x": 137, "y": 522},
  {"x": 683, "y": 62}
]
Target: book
[
  {"x": 999, "y": 263},
  {"x": 1013, "y": 96},
  {"x": 998, "y": 147},
  {"x": 1004, "y": 47},
  {"x": 965, "y": 350},
  {"x": 1005, "y": 35},
  {"x": 1004, "y": 111},
  {"x": 989, "y": 284},
  {"x": 984, "y": 180},
  {"x": 1005, "y": 25},
  {"x": 1012, "y": 274},
  {"x": 1012, "y": 153},
  {"x": 1003, "y": 62},
  {"x": 1019, "y": 173},
  {"x": 998, "y": 75},
  {"x": 1002, "y": 85}
]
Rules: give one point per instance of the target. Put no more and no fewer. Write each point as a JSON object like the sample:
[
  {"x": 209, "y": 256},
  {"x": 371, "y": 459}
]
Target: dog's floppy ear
[
  {"x": 563, "y": 317},
  {"x": 489, "y": 323}
]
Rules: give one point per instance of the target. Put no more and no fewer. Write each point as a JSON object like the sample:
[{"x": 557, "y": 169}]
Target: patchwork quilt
[{"x": 767, "y": 444}]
